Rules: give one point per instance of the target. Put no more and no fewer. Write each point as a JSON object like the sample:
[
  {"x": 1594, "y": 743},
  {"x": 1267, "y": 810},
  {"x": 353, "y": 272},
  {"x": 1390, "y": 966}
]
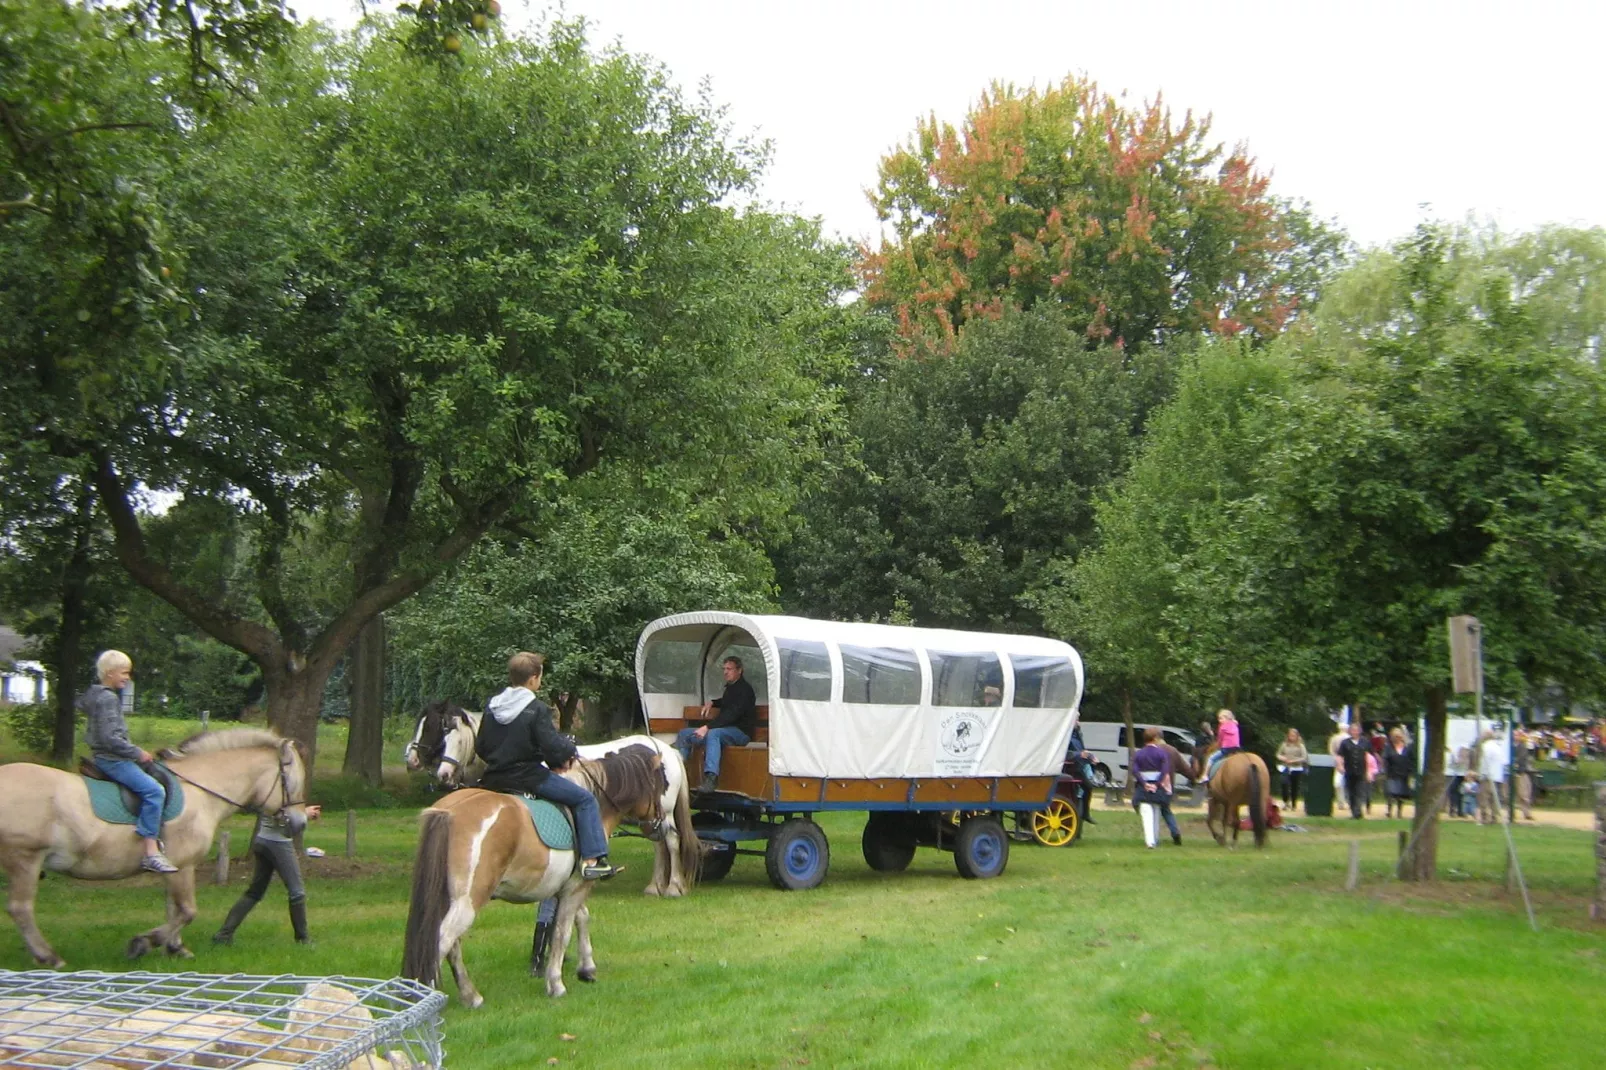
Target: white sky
[{"x": 1369, "y": 110}]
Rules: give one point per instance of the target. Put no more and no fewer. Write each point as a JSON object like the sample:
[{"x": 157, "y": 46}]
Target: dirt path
[{"x": 1582, "y": 820}]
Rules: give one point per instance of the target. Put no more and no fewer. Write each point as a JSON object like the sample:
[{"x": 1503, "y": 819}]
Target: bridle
[{"x": 286, "y": 762}]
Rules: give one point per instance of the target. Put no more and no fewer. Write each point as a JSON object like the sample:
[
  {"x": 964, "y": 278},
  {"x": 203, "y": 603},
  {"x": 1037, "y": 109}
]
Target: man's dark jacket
[
  {"x": 1353, "y": 752},
  {"x": 521, "y": 754},
  {"x": 738, "y": 707}
]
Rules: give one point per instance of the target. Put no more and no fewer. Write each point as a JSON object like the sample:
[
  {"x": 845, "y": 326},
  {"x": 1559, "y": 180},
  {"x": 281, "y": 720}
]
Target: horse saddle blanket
[
  {"x": 553, "y": 823},
  {"x": 116, "y": 805}
]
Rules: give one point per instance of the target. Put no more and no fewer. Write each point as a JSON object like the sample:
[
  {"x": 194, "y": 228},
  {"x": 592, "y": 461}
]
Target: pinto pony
[
  {"x": 677, "y": 854},
  {"x": 1240, "y": 780},
  {"x": 476, "y": 845},
  {"x": 47, "y": 823}
]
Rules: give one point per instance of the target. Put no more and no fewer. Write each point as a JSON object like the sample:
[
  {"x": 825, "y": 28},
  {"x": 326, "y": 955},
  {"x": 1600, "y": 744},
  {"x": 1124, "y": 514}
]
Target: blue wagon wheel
[
  {"x": 797, "y": 856},
  {"x": 981, "y": 848}
]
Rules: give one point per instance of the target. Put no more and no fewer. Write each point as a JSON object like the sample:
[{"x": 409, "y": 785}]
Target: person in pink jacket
[{"x": 1229, "y": 740}]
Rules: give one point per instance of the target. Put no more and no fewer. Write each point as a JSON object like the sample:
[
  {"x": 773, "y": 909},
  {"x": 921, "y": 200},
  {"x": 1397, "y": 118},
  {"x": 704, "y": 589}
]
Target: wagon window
[
  {"x": 752, "y": 669},
  {"x": 1043, "y": 681},
  {"x": 672, "y": 667},
  {"x": 805, "y": 670},
  {"x": 880, "y": 675},
  {"x": 965, "y": 679}
]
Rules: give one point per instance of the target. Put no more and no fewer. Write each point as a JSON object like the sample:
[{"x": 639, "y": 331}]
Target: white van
[{"x": 1106, "y": 741}]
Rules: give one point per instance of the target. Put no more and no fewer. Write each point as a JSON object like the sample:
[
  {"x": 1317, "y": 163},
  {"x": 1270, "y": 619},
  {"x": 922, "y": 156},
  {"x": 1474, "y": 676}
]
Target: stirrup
[{"x": 599, "y": 871}]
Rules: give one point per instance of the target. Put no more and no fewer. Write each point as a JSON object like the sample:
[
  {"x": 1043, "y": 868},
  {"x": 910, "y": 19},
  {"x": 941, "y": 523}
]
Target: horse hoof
[
  {"x": 651, "y": 890},
  {"x": 474, "y": 1003},
  {"x": 588, "y": 976},
  {"x": 179, "y": 951},
  {"x": 138, "y": 946},
  {"x": 555, "y": 989},
  {"x": 52, "y": 962}
]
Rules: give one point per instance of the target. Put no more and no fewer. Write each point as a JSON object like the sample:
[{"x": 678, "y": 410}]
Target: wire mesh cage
[{"x": 131, "y": 1021}]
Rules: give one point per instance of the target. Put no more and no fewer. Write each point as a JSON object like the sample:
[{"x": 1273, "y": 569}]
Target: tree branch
[
  {"x": 76, "y": 130},
  {"x": 270, "y": 552},
  {"x": 28, "y": 203},
  {"x": 244, "y": 635},
  {"x": 374, "y": 599}
]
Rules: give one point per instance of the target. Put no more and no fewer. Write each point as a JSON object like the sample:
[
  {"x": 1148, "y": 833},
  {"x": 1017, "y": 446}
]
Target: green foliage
[
  {"x": 976, "y": 469},
  {"x": 580, "y": 594},
  {"x": 32, "y": 728},
  {"x": 1431, "y": 447}
]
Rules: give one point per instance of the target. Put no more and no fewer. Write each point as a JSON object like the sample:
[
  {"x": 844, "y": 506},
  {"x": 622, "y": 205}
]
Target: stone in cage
[{"x": 134, "y": 1021}]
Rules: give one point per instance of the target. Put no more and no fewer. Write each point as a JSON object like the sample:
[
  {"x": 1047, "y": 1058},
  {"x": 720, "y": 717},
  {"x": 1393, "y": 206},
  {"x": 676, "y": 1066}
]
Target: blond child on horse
[{"x": 116, "y": 755}]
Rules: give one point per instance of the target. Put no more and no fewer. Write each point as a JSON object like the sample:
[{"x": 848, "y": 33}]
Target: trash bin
[{"x": 1319, "y": 785}]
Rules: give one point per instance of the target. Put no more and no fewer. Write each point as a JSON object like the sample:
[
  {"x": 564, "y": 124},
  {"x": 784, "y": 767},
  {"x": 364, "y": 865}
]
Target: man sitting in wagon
[
  {"x": 522, "y": 750},
  {"x": 734, "y": 727}
]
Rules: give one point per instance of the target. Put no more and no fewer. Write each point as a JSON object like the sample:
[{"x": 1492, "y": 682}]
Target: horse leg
[
  {"x": 1232, "y": 813},
  {"x": 180, "y": 912},
  {"x": 588, "y": 965},
  {"x": 465, "y": 986},
  {"x": 570, "y": 902},
  {"x": 22, "y": 878},
  {"x": 1214, "y": 813}
]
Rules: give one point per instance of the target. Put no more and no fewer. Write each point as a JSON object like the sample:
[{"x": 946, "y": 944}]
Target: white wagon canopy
[{"x": 867, "y": 701}]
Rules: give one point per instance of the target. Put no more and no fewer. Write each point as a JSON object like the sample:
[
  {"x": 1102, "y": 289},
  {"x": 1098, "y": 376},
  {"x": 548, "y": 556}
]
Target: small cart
[{"x": 938, "y": 735}]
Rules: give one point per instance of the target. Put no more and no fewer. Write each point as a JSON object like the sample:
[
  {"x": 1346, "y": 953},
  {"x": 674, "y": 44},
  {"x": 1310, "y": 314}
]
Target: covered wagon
[{"x": 936, "y": 734}]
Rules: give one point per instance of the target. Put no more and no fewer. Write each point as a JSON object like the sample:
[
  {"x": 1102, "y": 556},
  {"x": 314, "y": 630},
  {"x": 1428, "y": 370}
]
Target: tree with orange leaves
[{"x": 1131, "y": 221}]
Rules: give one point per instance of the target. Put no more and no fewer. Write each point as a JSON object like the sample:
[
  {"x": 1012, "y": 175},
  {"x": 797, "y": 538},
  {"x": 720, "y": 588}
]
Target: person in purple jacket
[{"x": 1151, "y": 784}]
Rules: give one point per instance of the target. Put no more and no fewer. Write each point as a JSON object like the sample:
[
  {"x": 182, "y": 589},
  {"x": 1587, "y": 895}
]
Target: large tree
[
  {"x": 1131, "y": 220},
  {"x": 1433, "y": 446},
  {"x": 429, "y": 293}
]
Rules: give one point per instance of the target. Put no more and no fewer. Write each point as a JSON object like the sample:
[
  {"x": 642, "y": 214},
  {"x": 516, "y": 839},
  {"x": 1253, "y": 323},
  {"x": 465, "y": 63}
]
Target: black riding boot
[
  {"x": 298, "y": 920},
  {"x": 242, "y": 906}
]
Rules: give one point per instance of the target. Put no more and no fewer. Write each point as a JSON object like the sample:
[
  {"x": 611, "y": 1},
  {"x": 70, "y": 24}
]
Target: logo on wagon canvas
[{"x": 962, "y": 734}]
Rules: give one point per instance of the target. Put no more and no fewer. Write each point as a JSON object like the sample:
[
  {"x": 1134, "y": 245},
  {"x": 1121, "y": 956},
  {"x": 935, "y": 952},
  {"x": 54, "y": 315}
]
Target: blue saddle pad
[
  {"x": 552, "y": 823},
  {"x": 106, "y": 798}
]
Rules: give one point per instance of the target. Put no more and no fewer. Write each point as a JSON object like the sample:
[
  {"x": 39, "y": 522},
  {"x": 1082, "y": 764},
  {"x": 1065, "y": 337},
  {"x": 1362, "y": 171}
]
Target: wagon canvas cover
[{"x": 853, "y": 700}]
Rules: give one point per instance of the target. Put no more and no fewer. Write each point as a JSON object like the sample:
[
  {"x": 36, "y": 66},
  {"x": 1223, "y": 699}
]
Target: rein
[{"x": 284, "y": 788}]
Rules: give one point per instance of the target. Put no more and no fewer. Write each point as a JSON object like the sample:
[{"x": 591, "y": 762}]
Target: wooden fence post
[
  {"x": 220, "y": 875},
  {"x": 351, "y": 833}
]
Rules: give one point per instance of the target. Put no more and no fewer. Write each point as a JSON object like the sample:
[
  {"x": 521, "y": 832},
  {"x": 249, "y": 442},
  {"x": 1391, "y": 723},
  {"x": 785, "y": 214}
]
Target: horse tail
[
  {"x": 691, "y": 854},
  {"x": 421, "y": 957},
  {"x": 1257, "y": 804}
]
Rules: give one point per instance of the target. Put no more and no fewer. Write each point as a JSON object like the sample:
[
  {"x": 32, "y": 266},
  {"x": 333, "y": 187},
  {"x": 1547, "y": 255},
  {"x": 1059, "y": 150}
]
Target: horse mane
[
  {"x": 630, "y": 777},
  {"x": 226, "y": 739}
]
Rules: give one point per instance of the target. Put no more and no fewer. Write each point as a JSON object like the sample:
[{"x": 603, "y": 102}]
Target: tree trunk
[
  {"x": 567, "y": 703},
  {"x": 365, "y": 743},
  {"x": 1422, "y": 863},
  {"x": 294, "y": 701},
  {"x": 70, "y": 631},
  {"x": 1126, "y": 712}
]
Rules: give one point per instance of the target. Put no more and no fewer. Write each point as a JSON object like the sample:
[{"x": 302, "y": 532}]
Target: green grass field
[{"x": 1099, "y": 955}]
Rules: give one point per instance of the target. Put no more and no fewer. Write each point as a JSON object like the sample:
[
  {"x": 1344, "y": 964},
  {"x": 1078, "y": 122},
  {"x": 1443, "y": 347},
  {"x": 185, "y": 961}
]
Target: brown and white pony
[
  {"x": 1240, "y": 780},
  {"x": 445, "y": 737},
  {"x": 476, "y": 845},
  {"x": 47, "y": 823}
]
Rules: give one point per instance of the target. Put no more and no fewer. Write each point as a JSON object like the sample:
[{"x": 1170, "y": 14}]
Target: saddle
[
  {"x": 553, "y": 823},
  {"x": 117, "y": 805}
]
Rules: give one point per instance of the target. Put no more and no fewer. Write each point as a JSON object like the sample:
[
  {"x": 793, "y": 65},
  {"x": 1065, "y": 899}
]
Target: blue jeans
[
  {"x": 152, "y": 797},
  {"x": 716, "y": 740},
  {"x": 1170, "y": 819},
  {"x": 587, "y": 818}
]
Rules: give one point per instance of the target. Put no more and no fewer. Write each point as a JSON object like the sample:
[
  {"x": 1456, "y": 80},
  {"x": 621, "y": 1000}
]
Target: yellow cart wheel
[{"x": 1057, "y": 825}]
